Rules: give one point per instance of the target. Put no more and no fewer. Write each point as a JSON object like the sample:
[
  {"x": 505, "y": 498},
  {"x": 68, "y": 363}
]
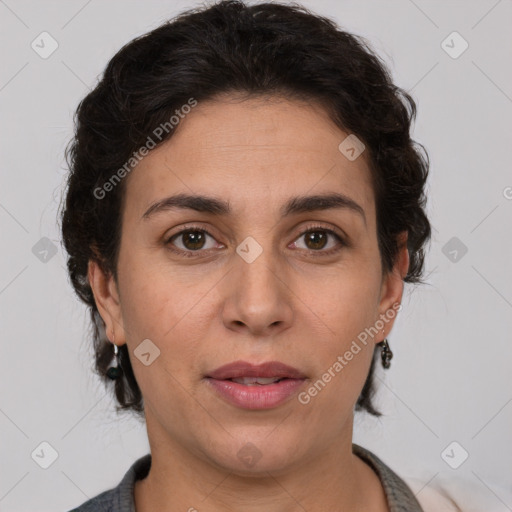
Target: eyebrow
[{"x": 295, "y": 205}]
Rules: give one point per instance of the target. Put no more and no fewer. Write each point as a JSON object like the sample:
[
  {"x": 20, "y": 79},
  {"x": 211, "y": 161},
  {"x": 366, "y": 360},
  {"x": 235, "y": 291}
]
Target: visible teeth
[{"x": 252, "y": 381}]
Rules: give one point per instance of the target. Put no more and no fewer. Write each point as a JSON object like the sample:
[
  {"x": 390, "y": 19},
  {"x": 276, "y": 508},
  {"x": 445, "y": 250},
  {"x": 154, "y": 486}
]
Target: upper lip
[{"x": 239, "y": 369}]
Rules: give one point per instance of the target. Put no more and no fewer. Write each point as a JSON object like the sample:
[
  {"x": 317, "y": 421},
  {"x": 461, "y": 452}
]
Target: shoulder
[
  {"x": 399, "y": 496},
  {"x": 454, "y": 494},
  {"x": 440, "y": 493},
  {"x": 120, "y": 498},
  {"x": 104, "y": 502}
]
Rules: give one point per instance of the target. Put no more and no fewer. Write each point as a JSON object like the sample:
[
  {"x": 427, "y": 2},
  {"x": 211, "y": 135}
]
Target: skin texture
[{"x": 291, "y": 304}]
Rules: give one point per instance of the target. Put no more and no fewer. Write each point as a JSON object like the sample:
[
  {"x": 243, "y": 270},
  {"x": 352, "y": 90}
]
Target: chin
[{"x": 256, "y": 455}]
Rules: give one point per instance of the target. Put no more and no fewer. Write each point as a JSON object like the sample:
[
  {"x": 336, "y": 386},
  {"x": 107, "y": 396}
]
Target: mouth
[
  {"x": 257, "y": 381},
  {"x": 246, "y": 373},
  {"x": 250, "y": 386}
]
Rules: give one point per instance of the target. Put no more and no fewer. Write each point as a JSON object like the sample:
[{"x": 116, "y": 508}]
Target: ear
[
  {"x": 106, "y": 296},
  {"x": 393, "y": 285}
]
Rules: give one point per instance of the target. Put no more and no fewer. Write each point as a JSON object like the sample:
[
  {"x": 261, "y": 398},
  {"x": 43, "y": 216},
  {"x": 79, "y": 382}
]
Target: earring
[
  {"x": 385, "y": 353},
  {"x": 114, "y": 372}
]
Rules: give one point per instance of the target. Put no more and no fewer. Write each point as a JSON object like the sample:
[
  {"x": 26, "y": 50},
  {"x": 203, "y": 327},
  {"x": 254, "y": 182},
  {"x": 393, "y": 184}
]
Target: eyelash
[{"x": 321, "y": 253}]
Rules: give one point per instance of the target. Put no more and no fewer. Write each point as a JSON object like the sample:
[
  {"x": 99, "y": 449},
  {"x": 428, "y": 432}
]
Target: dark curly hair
[{"x": 230, "y": 47}]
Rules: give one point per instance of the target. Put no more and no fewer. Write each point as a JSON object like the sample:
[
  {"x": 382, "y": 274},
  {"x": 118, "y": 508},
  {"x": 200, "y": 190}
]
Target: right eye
[{"x": 193, "y": 239}]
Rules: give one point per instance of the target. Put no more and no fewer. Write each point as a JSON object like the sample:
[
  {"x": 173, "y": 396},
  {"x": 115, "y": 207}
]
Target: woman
[{"x": 243, "y": 208}]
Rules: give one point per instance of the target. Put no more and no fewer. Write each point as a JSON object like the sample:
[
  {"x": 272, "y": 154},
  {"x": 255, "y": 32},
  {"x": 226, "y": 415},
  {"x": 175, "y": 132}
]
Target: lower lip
[{"x": 257, "y": 396}]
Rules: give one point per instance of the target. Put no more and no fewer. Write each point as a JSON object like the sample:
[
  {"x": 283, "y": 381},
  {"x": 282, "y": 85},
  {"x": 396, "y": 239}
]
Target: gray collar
[{"x": 398, "y": 494}]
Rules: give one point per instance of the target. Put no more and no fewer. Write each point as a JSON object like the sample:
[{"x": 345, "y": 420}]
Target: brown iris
[{"x": 318, "y": 238}]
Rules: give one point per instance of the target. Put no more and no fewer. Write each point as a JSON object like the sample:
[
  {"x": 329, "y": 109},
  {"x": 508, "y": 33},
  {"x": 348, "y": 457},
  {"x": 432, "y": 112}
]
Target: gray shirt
[{"x": 120, "y": 499}]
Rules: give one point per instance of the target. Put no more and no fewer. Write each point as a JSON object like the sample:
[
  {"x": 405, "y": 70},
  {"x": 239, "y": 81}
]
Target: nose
[{"x": 258, "y": 298}]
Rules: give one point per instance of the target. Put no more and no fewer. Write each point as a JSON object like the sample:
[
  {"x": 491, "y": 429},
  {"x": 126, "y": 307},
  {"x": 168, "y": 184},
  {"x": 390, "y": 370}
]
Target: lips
[
  {"x": 256, "y": 386},
  {"x": 271, "y": 369}
]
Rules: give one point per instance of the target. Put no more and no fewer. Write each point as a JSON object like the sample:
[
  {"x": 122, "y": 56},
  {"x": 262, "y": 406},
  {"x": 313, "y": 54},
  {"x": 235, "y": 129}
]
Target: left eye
[{"x": 316, "y": 239}]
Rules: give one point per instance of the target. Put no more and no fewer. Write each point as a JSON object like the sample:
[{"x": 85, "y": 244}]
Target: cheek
[
  {"x": 344, "y": 306},
  {"x": 153, "y": 299},
  {"x": 158, "y": 309},
  {"x": 161, "y": 306},
  {"x": 342, "y": 302},
  {"x": 342, "y": 362}
]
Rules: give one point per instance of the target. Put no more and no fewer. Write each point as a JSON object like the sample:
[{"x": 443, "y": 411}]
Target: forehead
[{"x": 253, "y": 152}]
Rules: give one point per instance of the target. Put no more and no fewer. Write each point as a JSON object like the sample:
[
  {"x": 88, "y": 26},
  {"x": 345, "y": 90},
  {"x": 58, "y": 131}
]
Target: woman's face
[{"x": 254, "y": 287}]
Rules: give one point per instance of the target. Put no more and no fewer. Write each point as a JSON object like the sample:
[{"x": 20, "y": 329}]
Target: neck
[{"x": 334, "y": 480}]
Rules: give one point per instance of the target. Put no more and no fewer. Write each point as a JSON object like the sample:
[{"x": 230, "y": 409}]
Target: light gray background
[{"x": 450, "y": 379}]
